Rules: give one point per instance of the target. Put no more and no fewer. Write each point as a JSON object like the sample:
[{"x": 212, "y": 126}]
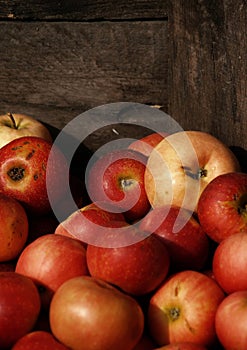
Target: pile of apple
[{"x": 155, "y": 256}]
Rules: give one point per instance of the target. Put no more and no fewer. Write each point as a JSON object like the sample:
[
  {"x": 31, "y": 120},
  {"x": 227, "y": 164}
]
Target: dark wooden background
[{"x": 61, "y": 58}]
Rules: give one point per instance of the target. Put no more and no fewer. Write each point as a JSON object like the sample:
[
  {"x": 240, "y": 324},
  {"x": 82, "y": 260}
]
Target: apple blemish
[{"x": 16, "y": 173}]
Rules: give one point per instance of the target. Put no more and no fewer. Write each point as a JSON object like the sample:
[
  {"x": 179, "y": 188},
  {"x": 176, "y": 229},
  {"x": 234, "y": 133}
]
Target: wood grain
[
  {"x": 208, "y": 68},
  {"x": 75, "y": 10},
  {"x": 56, "y": 70}
]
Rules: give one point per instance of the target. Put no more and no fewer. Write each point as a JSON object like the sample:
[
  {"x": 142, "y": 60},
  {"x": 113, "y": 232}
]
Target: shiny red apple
[
  {"x": 183, "y": 309},
  {"x": 222, "y": 207},
  {"x": 187, "y": 244},
  {"x": 19, "y": 307},
  {"x": 24, "y": 175},
  {"x": 89, "y": 313},
  {"x": 118, "y": 178},
  {"x": 146, "y": 144}
]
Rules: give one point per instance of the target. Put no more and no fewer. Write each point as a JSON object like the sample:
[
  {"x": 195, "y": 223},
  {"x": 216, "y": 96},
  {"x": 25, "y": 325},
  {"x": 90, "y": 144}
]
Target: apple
[
  {"x": 117, "y": 178},
  {"x": 145, "y": 343},
  {"x": 13, "y": 126},
  {"x": 182, "y": 165},
  {"x": 183, "y": 309},
  {"x": 137, "y": 268},
  {"x": 187, "y": 244},
  {"x": 19, "y": 307},
  {"x": 24, "y": 174},
  {"x": 50, "y": 260},
  {"x": 13, "y": 228},
  {"x": 230, "y": 261},
  {"x": 182, "y": 346},
  {"x": 38, "y": 340},
  {"x": 231, "y": 321},
  {"x": 89, "y": 313},
  {"x": 90, "y": 221},
  {"x": 222, "y": 207},
  {"x": 146, "y": 144}
]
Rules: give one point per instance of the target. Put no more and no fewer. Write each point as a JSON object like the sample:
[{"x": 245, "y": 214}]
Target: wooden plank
[
  {"x": 82, "y": 10},
  {"x": 56, "y": 70},
  {"x": 208, "y": 68}
]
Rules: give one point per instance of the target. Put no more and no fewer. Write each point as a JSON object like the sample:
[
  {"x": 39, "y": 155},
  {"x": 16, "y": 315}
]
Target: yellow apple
[
  {"x": 181, "y": 166},
  {"x": 13, "y": 126}
]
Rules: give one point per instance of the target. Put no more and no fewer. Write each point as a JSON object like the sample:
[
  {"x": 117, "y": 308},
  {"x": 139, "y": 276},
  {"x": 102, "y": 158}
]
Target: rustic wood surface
[{"x": 208, "y": 67}]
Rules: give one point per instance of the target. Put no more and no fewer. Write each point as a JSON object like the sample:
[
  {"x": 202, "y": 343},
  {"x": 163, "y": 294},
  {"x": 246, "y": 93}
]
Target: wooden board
[{"x": 208, "y": 68}]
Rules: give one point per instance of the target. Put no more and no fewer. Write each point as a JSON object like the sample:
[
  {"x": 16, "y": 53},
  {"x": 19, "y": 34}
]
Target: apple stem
[{"x": 12, "y": 120}]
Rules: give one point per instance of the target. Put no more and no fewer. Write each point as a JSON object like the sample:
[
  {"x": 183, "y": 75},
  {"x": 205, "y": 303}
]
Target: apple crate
[{"x": 123, "y": 67}]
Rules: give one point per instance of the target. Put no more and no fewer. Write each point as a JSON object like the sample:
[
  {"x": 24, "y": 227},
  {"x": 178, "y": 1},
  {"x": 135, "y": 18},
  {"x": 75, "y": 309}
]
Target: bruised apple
[
  {"x": 19, "y": 307},
  {"x": 13, "y": 228},
  {"x": 89, "y": 313},
  {"x": 24, "y": 174},
  {"x": 181, "y": 166}
]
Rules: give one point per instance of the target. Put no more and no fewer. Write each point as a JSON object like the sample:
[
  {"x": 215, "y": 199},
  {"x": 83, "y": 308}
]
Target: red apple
[
  {"x": 13, "y": 228},
  {"x": 137, "y": 268},
  {"x": 182, "y": 346},
  {"x": 38, "y": 340},
  {"x": 50, "y": 260},
  {"x": 19, "y": 307},
  {"x": 231, "y": 321},
  {"x": 183, "y": 236},
  {"x": 24, "y": 174},
  {"x": 89, "y": 313},
  {"x": 146, "y": 144},
  {"x": 181, "y": 166},
  {"x": 87, "y": 223},
  {"x": 230, "y": 261},
  {"x": 183, "y": 309},
  {"x": 118, "y": 178},
  {"x": 222, "y": 207},
  {"x": 13, "y": 126}
]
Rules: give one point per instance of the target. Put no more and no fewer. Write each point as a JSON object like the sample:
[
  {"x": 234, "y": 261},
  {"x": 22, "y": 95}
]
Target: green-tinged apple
[
  {"x": 231, "y": 321},
  {"x": 181, "y": 166},
  {"x": 89, "y": 313},
  {"x": 15, "y": 125},
  {"x": 50, "y": 260},
  {"x": 187, "y": 244},
  {"x": 182, "y": 346},
  {"x": 146, "y": 144},
  {"x": 230, "y": 261},
  {"x": 19, "y": 307},
  {"x": 39, "y": 340},
  {"x": 88, "y": 222},
  {"x": 222, "y": 207},
  {"x": 183, "y": 309},
  {"x": 13, "y": 228},
  {"x": 118, "y": 178},
  {"x": 24, "y": 174},
  {"x": 137, "y": 268}
]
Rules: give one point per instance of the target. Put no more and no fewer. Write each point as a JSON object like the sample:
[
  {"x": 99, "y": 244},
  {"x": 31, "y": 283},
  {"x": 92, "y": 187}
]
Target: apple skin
[
  {"x": 83, "y": 304},
  {"x": 181, "y": 166},
  {"x": 88, "y": 222},
  {"x": 20, "y": 307},
  {"x": 222, "y": 207},
  {"x": 231, "y": 321},
  {"x": 13, "y": 126},
  {"x": 38, "y": 340},
  {"x": 50, "y": 260},
  {"x": 187, "y": 244},
  {"x": 137, "y": 268},
  {"x": 24, "y": 175},
  {"x": 146, "y": 144},
  {"x": 118, "y": 178},
  {"x": 182, "y": 346},
  {"x": 230, "y": 261},
  {"x": 183, "y": 309},
  {"x": 13, "y": 228}
]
